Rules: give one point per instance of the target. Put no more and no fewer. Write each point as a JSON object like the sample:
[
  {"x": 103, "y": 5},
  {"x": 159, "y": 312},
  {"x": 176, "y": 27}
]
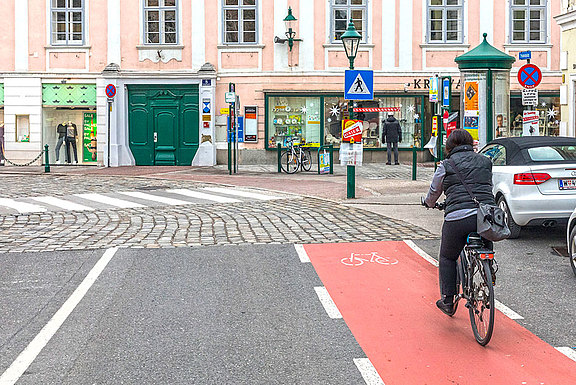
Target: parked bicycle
[
  {"x": 476, "y": 279},
  {"x": 295, "y": 158}
]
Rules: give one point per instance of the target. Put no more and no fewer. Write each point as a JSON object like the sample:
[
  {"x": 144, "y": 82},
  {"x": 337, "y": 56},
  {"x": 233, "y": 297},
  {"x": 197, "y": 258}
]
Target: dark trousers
[
  {"x": 71, "y": 141},
  {"x": 454, "y": 235},
  {"x": 393, "y": 145},
  {"x": 58, "y": 146}
]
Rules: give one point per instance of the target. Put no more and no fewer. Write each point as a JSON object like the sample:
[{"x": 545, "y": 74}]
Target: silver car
[
  {"x": 571, "y": 237},
  {"x": 534, "y": 179}
]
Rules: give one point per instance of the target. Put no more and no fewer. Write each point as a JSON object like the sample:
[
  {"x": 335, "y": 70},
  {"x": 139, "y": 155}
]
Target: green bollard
[
  {"x": 331, "y": 159},
  {"x": 47, "y": 159},
  {"x": 351, "y": 182},
  {"x": 414, "y": 160}
]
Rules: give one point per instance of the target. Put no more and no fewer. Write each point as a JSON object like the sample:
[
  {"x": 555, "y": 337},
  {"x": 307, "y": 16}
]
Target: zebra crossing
[{"x": 131, "y": 199}]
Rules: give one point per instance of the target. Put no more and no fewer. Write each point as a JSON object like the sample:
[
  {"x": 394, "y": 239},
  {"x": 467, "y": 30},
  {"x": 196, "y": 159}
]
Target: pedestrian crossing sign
[{"x": 359, "y": 85}]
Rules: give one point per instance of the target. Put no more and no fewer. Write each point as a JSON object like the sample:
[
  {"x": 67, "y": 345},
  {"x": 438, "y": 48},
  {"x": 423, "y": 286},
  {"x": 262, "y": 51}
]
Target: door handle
[{"x": 155, "y": 137}]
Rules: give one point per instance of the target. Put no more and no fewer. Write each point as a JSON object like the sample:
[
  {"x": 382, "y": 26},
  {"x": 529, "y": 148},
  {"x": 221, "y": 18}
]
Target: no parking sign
[{"x": 529, "y": 76}]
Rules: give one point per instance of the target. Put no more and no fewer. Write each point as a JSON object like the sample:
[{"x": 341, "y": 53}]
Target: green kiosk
[{"x": 485, "y": 96}]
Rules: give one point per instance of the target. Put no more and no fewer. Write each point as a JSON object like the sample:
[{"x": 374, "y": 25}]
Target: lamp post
[{"x": 351, "y": 41}]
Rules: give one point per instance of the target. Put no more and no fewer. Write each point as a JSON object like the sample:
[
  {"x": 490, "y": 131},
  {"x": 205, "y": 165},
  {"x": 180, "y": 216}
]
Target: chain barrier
[{"x": 16, "y": 164}]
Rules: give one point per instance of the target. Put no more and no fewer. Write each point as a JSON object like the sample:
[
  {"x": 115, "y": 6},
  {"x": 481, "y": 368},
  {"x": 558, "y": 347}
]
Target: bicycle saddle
[{"x": 474, "y": 240}]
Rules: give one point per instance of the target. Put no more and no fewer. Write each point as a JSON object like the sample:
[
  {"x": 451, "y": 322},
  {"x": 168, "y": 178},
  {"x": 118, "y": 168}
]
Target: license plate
[{"x": 567, "y": 184}]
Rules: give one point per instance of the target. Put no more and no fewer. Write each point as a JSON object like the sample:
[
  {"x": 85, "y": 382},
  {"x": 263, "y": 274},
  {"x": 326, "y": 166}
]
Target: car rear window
[{"x": 552, "y": 153}]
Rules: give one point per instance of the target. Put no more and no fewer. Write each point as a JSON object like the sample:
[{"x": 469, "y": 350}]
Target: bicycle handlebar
[{"x": 438, "y": 206}]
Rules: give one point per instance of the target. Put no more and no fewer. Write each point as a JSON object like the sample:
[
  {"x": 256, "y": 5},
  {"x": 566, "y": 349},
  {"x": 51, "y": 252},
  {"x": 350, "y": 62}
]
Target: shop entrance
[{"x": 163, "y": 124}]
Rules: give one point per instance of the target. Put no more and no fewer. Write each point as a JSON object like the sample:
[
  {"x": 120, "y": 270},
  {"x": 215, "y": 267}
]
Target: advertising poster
[
  {"x": 433, "y": 92},
  {"x": 89, "y": 138},
  {"x": 471, "y": 108},
  {"x": 251, "y": 124},
  {"x": 324, "y": 163},
  {"x": 531, "y": 124}
]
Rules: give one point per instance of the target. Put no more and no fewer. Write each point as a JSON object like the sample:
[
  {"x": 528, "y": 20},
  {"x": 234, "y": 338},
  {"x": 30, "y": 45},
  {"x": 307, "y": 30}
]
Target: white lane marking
[
  {"x": 569, "y": 352},
  {"x": 109, "y": 200},
  {"x": 155, "y": 198},
  {"x": 199, "y": 195},
  {"x": 21, "y": 207},
  {"x": 421, "y": 253},
  {"x": 327, "y": 302},
  {"x": 29, "y": 354},
  {"x": 242, "y": 193},
  {"x": 507, "y": 311},
  {"x": 63, "y": 204},
  {"x": 369, "y": 373},
  {"x": 302, "y": 253},
  {"x": 499, "y": 305}
]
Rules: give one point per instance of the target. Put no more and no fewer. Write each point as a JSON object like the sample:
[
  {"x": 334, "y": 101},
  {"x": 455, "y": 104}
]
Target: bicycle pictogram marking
[{"x": 358, "y": 259}]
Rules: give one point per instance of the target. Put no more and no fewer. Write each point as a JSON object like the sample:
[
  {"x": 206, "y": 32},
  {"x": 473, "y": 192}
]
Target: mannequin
[
  {"x": 61, "y": 130},
  {"x": 71, "y": 135}
]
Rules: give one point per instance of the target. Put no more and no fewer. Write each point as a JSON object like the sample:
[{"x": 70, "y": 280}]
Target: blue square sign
[{"x": 359, "y": 85}]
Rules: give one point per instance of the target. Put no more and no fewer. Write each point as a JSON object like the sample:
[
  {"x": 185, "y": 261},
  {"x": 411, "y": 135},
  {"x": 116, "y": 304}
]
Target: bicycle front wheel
[
  {"x": 482, "y": 309},
  {"x": 289, "y": 162}
]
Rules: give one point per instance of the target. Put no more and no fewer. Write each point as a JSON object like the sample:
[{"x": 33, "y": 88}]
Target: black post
[{"x": 279, "y": 146}]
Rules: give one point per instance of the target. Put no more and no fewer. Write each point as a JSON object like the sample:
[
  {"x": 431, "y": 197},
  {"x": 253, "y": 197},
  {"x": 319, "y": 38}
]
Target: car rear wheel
[
  {"x": 572, "y": 250},
  {"x": 513, "y": 226}
]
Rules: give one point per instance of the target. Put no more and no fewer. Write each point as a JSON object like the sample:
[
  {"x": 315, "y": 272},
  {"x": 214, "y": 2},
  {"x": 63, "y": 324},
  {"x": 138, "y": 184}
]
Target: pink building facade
[{"x": 172, "y": 61}]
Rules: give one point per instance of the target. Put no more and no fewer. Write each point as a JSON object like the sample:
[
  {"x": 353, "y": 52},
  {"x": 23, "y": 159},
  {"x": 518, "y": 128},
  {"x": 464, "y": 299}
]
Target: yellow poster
[{"x": 471, "y": 96}]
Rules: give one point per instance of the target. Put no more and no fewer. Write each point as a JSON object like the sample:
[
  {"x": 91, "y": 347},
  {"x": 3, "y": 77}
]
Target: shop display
[
  {"x": 89, "y": 138},
  {"x": 296, "y": 119},
  {"x": 71, "y": 135},
  {"x": 61, "y": 131}
]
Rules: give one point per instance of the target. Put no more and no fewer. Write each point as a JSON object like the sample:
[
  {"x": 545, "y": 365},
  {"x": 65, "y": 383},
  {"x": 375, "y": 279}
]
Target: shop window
[
  {"x": 445, "y": 21},
  {"x": 528, "y": 18},
  {"x": 67, "y": 22},
  {"x": 549, "y": 110},
  {"x": 407, "y": 110},
  {"x": 70, "y": 133},
  {"x": 341, "y": 13},
  {"x": 293, "y": 118},
  {"x": 160, "y": 21},
  {"x": 23, "y": 128},
  {"x": 240, "y": 22}
]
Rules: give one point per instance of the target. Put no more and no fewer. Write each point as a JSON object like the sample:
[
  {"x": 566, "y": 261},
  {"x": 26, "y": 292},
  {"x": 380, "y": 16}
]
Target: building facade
[
  {"x": 172, "y": 61},
  {"x": 567, "y": 22}
]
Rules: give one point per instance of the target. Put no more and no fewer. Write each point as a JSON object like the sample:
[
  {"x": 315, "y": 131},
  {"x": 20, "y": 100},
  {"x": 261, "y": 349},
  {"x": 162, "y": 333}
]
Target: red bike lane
[{"x": 389, "y": 306}]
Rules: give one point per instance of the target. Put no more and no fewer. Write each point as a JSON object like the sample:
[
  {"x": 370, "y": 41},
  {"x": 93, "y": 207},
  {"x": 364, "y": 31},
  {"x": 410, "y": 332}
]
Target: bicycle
[
  {"x": 295, "y": 157},
  {"x": 476, "y": 279}
]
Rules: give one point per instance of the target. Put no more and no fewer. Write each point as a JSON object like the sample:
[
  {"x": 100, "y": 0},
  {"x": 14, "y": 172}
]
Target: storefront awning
[{"x": 68, "y": 95}]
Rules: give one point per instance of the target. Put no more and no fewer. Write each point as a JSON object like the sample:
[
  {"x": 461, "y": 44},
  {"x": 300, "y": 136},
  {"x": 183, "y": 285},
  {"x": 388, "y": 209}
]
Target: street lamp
[
  {"x": 351, "y": 41},
  {"x": 290, "y": 33}
]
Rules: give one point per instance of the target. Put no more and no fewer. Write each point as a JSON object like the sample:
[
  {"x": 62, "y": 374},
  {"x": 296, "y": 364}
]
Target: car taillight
[{"x": 531, "y": 178}]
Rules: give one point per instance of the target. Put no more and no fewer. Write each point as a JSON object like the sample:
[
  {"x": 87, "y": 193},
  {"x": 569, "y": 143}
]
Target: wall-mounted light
[{"x": 290, "y": 33}]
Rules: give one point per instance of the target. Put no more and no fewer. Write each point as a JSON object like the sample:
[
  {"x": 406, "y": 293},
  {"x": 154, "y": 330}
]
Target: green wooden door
[{"x": 163, "y": 124}]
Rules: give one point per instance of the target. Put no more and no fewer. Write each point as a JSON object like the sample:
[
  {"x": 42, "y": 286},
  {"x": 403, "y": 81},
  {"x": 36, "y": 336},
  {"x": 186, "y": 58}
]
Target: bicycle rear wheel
[
  {"x": 289, "y": 162},
  {"x": 482, "y": 307},
  {"x": 306, "y": 160}
]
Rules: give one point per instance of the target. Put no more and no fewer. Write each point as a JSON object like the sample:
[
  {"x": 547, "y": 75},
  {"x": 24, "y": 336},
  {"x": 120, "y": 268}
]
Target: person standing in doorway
[{"x": 391, "y": 135}]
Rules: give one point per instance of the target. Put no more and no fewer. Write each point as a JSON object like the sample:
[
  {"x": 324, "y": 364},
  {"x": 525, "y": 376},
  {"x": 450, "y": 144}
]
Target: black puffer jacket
[
  {"x": 476, "y": 170},
  {"x": 391, "y": 132}
]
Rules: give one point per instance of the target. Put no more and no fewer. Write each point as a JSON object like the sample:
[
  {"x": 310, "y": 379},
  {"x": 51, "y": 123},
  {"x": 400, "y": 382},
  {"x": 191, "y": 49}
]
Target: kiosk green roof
[{"x": 486, "y": 57}]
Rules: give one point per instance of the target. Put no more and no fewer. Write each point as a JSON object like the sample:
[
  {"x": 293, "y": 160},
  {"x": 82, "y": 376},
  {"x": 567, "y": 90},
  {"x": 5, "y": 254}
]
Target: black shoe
[
  {"x": 447, "y": 308},
  {"x": 397, "y": 164},
  {"x": 388, "y": 163}
]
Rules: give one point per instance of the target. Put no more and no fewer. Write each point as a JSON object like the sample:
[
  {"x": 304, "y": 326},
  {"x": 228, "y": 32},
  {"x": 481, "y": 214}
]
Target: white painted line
[
  {"x": 109, "y": 200},
  {"x": 199, "y": 195},
  {"x": 569, "y": 352},
  {"x": 369, "y": 373},
  {"x": 421, "y": 253},
  {"x": 63, "y": 204},
  {"x": 500, "y": 306},
  {"x": 327, "y": 302},
  {"x": 29, "y": 354},
  {"x": 155, "y": 198},
  {"x": 507, "y": 311},
  {"x": 21, "y": 207},
  {"x": 302, "y": 253},
  {"x": 242, "y": 193}
]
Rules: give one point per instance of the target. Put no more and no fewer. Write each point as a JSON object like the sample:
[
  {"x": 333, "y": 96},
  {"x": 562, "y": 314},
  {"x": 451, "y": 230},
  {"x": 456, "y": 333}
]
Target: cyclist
[{"x": 460, "y": 209}]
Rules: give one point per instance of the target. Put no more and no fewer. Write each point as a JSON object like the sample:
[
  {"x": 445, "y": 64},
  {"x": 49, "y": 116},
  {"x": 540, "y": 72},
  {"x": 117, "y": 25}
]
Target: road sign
[
  {"x": 359, "y": 85},
  {"x": 529, "y": 76},
  {"x": 525, "y": 55},
  {"x": 530, "y": 126},
  {"x": 529, "y": 97},
  {"x": 224, "y": 111},
  {"x": 206, "y": 108},
  {"x": 230, "y": 97},
  {"x": 445, "y": 117},
  {"x": 110, "y": 90},
  {"x": 446, "y": 92}
]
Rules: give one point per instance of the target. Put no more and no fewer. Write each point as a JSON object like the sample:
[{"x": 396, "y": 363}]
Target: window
[
  {"x": 67, "y": 22},
  {"x": 160, "y": 22},
  {"x": 496, "y": 153},
  {"x": 445, "y": 21},
  {"x": 23, "y": 128},
  {"x": 344, "y": 10},
  {"x": 528, "y": 21},
  {"x": 240, "y": 21}
]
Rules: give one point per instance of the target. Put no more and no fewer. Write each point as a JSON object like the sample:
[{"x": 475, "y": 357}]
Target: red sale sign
[{"x": 352, "y": 131}]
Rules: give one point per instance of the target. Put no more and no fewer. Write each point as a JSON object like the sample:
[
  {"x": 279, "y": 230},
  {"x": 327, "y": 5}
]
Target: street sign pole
[
  {"x": 351, "y": 169},
  {"x": 231, "y": 89},
  {"x": 110, "y": 93}
]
